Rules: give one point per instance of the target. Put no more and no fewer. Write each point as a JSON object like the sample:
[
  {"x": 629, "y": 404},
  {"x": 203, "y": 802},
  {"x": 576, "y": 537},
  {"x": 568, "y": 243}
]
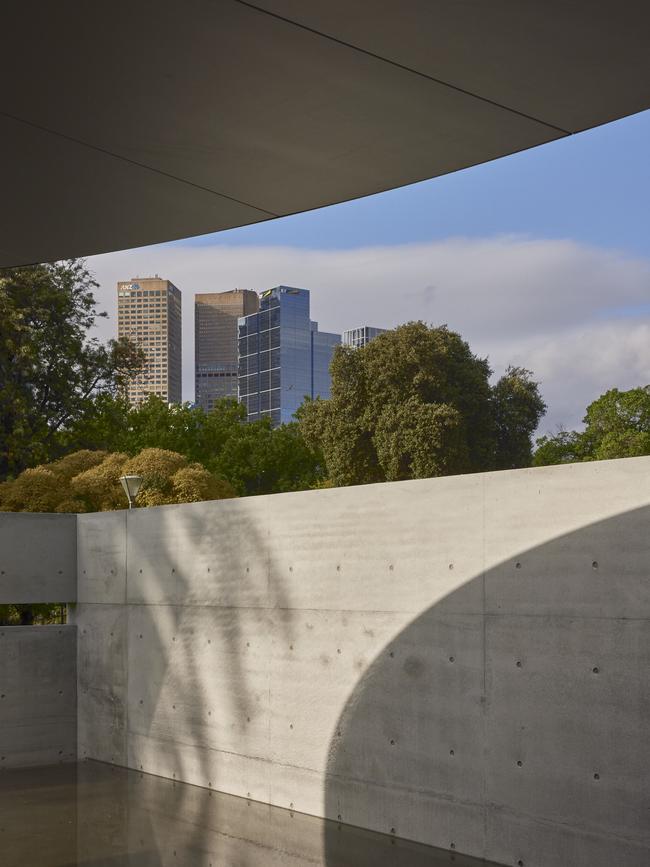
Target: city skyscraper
[
  {"x": 283, "y": 357},
  {"x": 215, "y": 342},
  {"x": 149, "y": 313},
  {"x": 357, "y": 337}
]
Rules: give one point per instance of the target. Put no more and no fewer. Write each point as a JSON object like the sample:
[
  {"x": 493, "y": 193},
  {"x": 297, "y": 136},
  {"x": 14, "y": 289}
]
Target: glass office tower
[
  {"x": 283, "y": 357},
  {"x": 357, "y": 337}
]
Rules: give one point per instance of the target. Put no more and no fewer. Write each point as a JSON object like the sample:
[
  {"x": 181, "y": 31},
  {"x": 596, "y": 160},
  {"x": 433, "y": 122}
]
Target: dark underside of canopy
[{"x": 129, "y": 123}]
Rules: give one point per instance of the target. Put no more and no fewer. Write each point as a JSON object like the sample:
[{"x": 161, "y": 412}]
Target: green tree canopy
[
  {"x": 416, "y": 402},
  {"x": 617, "y": 425},
  {"x": 518, "y": 408},
  {"x": 254, "y": 457},
  {"x": 50, "y": 370}
]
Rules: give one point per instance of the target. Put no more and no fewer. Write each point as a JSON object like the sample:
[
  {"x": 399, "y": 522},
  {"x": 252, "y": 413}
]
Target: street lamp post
[{"x": 131, "y": 485}]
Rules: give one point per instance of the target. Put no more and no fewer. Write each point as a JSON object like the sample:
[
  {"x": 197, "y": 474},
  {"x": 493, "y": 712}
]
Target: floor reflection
[{"x": 94, "y": 814}]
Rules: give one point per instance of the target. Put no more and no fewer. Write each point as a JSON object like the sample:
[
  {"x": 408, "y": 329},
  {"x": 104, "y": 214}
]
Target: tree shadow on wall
[
  {"x": 509, "y": 721},
  {"x": 202, "y": 606},
  {"x": 205, "y": 717}
]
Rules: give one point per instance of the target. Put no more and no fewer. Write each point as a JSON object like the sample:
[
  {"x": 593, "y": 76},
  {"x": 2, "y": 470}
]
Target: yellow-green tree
[{"x": 89, "y": 481}]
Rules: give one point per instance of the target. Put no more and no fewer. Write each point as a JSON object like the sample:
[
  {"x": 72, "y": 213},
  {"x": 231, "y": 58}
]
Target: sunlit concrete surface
[{"x": 96, "y": 814}]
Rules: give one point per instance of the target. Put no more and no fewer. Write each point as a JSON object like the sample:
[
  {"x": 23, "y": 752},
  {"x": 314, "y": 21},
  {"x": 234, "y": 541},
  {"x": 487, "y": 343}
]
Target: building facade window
[
  {"x": 148, "y": 324},
  {"x": 216, "y": 366},
  {"x": 283, "y": 358},
  {"x": 357, "y": 337}
]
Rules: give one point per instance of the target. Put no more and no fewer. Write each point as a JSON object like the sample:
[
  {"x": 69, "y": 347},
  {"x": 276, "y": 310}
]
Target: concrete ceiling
[{"x": 129, "y": 123}]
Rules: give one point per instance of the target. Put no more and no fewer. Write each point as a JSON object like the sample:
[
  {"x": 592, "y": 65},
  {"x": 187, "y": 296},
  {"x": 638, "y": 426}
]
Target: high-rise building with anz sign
[{"x": 149, "y": 314}]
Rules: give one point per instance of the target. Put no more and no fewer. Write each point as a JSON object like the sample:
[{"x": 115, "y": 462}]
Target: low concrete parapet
[{"x": 38, "y": 558}]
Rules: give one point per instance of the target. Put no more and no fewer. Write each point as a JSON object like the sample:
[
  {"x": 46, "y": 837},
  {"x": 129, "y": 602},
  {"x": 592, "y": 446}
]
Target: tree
[
  {"x": 617, "y": 425},
  {"x": 254, "y": 457},
  {"x": 50, "y": 370},
  {"x": 564, "y": 447},
  {"x": 42, "y": 613},
  {"x": 115, "y": 425},
  {"x": 260, "y": 459},
  {"x": 416, "y": 402},
  {"x": 418, "y": 440},
  {"x": 518, "y": 407},
  {"x": 89, "y": 481}
]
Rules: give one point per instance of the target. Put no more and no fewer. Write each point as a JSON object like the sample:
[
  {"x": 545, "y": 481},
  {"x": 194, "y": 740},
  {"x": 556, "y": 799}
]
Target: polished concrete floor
[{"x": 102, "y": 816}]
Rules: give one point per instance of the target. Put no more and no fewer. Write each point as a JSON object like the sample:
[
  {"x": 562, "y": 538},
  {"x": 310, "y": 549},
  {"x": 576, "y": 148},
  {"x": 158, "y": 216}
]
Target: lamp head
[{"x": 131, "y": 485}]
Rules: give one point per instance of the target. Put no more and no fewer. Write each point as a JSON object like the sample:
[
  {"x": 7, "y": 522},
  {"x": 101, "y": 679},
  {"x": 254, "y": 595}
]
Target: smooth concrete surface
[
  {"x": 38, "y": 695},
  {"x": 189, "y": 118},
  {"x": 101, "y": 554},
  {"x": 101, "y": 815},
  {"x": 458, "y": 661},
  {"x": 38, "y": 558}
]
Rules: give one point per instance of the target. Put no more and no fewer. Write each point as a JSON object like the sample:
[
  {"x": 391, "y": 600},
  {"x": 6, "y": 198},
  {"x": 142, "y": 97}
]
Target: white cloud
[
  {"x": 545, "y": 304},
  {"x": 577, "y": 365}
]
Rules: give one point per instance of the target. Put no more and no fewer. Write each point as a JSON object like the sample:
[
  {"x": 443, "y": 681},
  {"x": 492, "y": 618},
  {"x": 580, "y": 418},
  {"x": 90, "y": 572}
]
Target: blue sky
[
  {"x": 593, "y": 187},
  {"x": 540, "y": 259}
]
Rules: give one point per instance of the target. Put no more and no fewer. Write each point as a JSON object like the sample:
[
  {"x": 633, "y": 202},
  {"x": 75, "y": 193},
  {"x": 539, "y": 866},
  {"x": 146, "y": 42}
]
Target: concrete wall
[
  {"x": 458, "y": 661},
  {"x": 38, "y": 664},
  {"x": 38, "y": 558},
  {"x": 38, "y": 695}
]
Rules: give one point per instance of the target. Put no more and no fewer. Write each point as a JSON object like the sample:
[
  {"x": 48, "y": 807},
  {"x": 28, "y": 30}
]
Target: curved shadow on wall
[{"x": 498, "y": 735}]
